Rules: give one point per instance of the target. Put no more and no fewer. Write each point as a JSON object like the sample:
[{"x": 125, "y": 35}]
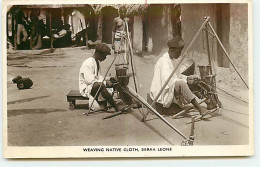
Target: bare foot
[{"x": 204, "y": 112}]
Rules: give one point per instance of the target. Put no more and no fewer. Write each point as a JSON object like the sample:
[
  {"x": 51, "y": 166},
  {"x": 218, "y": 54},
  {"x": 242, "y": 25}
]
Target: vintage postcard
[{"x": 91, "y": 79}]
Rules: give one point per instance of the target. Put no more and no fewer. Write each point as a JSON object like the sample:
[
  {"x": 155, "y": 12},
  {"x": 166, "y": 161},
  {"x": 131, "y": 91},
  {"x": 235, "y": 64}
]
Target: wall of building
[
  {"x": 223, "y": 32},
  {"x": 147, "y": 33},
  {"x": 192, "y": 17},
  {"x": 230, "y": 23},
  {"x": 158, "y": 27},
  {"x": 98, "y": 22},
  {"x": 108, "y": 15},
  {"x": 239, "y": 37},
  {"x": 137, "y": 33}
]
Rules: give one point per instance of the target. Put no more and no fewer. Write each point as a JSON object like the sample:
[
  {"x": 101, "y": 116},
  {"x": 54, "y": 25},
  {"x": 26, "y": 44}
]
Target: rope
[{"x": 226, "y": 93}]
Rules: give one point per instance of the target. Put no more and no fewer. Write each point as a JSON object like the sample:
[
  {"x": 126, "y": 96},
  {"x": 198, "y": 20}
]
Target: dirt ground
[{"x": 40, "y": 116}]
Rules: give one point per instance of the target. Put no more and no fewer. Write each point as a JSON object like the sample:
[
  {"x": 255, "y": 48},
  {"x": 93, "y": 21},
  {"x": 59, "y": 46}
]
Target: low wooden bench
[{"x": 72, "y": 96}]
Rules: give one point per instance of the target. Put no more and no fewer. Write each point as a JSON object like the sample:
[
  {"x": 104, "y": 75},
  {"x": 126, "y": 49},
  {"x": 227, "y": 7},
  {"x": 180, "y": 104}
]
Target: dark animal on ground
[
  {"x": 24, "y": 83},
  {"x": 16, "y": 79}
]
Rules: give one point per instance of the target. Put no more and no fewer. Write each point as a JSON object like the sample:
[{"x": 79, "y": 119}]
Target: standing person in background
[
  {"x": 37, "y": 30},
  {"x": 79, "y": 28},
  {"x": 21, "y": 21},
  {"x": 118, "y": 29}
]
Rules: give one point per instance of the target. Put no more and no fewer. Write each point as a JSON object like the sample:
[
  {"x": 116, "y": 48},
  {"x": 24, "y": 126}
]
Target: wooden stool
[{"x": 72, "y": 96}]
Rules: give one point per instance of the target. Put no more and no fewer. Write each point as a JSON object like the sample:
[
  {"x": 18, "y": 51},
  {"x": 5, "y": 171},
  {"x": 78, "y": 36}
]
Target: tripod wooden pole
[
  {"x": 227, "y": 54},
  {"x": 131, "y": 54},
  {"x": 176, "y": 68},
  {"x": 51, "y": 36},
  {"x": 210, "y": 63},
  {"x": 208, "y": 51},
  {"x": 135, "y": 95}
]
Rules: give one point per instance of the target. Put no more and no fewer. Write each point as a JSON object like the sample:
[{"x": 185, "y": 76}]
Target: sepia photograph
[{"x": 132, "y": 79}]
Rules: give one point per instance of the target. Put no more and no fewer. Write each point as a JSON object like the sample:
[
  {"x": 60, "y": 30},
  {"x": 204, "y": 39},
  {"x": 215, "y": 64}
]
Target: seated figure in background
[{"x": 63, "y": 37}]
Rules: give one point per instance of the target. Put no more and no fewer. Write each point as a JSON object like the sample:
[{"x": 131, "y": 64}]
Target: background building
[{"x": 152, "y": 25}]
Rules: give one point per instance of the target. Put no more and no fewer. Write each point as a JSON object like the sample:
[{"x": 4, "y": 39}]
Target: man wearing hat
[
  {"x": 90, "y": 79},
  {"x": 177, "y": 88}
]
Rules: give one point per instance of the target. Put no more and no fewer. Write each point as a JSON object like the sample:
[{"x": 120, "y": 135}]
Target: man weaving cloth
[
  {"x": 90, "y": 79},
  {"x": 177, "y": 90}
]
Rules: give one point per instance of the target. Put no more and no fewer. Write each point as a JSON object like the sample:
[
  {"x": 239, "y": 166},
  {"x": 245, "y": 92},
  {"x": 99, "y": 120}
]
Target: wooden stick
[
  {"x": 208, "y": 51},
  {"x": 51, "y": 33},
  {"x": 192, "y": 127},
  {"x": 200, "y": 116},
  {"x": 7, "y": 31},
  {"x": 100, "y": 110},
  {"x": 186, "y": 110},
  {"x": 131, "y": 53},
  {"x": 14, "y": 32},
  {"x": 142, "y": 101},
  {"x": 118, "y": 113}
]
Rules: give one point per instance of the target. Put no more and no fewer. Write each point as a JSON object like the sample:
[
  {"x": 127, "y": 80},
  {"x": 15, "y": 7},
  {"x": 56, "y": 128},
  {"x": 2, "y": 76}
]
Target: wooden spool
[
  {"x": 209, "y": 86},
  {"x": 123, "y": 80}
]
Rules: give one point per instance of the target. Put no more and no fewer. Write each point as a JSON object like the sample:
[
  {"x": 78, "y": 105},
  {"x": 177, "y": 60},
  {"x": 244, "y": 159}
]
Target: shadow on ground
[
  {"x": 26, "y": 100},
  {"x": 151, "y": 128},
  {"x": 16, "y": 112}
]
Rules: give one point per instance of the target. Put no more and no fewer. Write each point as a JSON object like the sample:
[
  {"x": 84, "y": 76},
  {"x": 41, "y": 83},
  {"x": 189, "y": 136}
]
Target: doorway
[
  {"x": 223, "y": 31},
  {"x": 108, "y": 15}
]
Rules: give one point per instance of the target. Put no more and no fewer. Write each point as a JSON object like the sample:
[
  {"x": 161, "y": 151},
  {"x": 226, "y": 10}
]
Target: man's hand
[
  {"x": 96, "y": 77},
  {"x": 191, "y": 79},
  {"x": 56, "y": 36},
  {"x": 113, "y": 80},
  {"x": 109, "y": 84}
]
